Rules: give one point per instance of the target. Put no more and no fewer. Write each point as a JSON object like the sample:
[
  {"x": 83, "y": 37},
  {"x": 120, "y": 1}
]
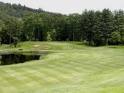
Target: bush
[{"x": 115, "y": 38}]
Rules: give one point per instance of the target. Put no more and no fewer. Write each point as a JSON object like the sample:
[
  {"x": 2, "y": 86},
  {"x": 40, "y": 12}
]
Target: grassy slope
[{"x": 72, "y": 68}]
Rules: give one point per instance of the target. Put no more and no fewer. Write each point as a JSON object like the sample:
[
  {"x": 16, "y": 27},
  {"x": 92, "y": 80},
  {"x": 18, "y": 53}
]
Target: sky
[{"x": 70, "y": 6}]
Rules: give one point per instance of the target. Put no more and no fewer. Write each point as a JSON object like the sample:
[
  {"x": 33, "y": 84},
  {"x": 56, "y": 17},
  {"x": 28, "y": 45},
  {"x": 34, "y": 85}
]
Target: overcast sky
[{"x": 70, "y": 6}]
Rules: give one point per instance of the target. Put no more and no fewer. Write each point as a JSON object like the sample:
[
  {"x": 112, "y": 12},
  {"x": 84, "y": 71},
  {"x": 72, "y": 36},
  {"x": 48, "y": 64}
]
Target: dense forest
[{"x": 20, "y": 23}]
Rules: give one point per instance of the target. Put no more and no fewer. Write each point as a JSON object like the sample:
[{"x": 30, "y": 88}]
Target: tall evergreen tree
[
  {"x": 119, "y": 24},
  {"x": 107, "y": 25}
]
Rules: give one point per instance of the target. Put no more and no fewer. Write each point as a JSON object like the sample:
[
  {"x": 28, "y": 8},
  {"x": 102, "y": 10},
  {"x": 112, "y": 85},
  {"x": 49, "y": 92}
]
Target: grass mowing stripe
[{"x": 71, "y": 68}]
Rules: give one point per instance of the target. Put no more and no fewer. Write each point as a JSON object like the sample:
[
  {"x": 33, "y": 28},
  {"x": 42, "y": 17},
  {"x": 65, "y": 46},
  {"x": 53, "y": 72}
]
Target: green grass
[{"x": 71, "y": 67}]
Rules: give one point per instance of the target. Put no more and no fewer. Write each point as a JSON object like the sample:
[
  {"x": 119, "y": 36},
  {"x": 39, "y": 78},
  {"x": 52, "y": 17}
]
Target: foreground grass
[{"x": 70, "y": 68}]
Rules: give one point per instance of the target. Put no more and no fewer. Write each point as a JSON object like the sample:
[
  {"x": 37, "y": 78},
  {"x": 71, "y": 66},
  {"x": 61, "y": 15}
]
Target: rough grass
[{"x": 71, "y": 68}]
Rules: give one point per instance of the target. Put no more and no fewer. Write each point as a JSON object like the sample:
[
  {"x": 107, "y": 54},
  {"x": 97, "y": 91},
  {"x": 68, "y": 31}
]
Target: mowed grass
[{"x": 71, "y": 67}]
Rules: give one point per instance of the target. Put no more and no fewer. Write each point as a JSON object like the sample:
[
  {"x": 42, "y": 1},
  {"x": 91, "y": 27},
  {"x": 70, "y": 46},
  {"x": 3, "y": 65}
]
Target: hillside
[{"x": 14, "y": 10}]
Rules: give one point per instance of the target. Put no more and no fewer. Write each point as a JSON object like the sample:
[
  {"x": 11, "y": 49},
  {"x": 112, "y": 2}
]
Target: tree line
[{"x": 95, "y": 28}]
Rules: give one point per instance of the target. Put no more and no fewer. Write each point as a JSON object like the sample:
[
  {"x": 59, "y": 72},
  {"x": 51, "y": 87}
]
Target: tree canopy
[{"x": 95, "y": 28}]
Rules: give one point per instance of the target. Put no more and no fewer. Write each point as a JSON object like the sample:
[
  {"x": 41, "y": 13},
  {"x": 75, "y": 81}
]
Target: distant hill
[{"x": 14, "y": 10}]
